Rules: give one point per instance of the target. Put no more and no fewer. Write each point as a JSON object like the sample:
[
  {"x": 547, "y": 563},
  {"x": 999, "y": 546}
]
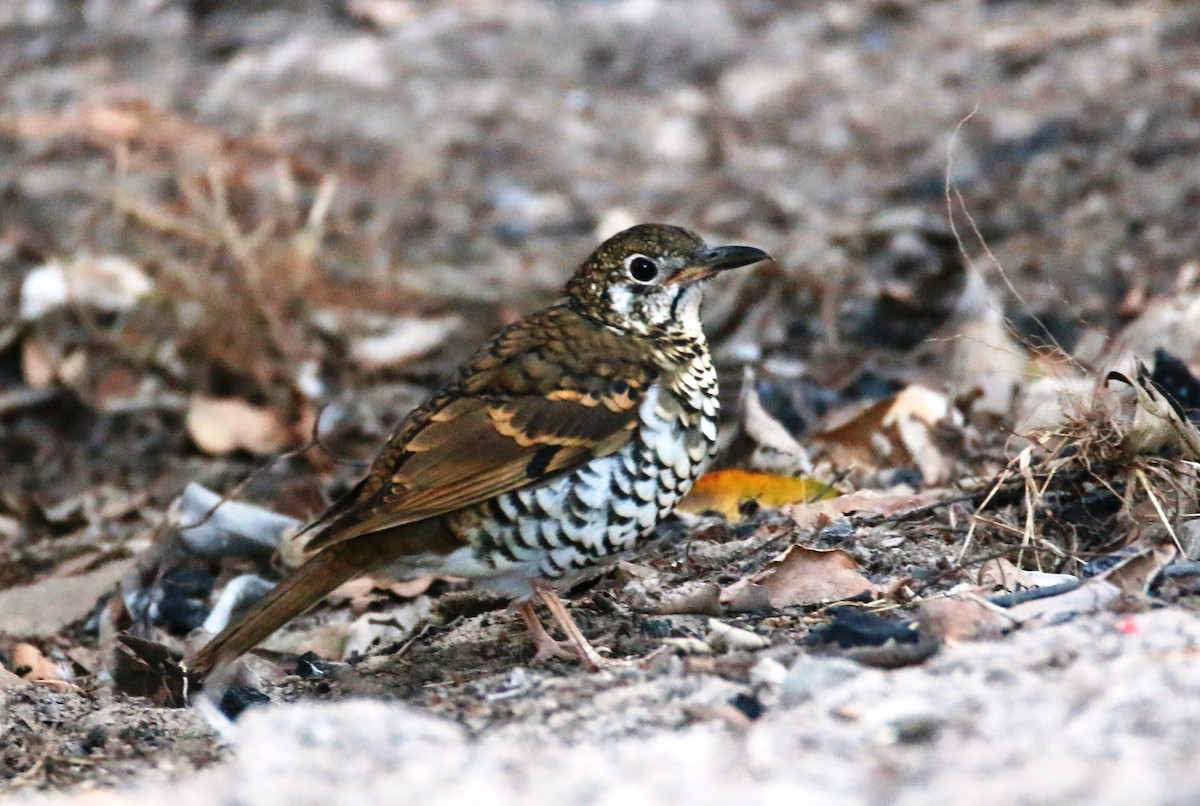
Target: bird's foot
[{"x": 547, "y": 647}]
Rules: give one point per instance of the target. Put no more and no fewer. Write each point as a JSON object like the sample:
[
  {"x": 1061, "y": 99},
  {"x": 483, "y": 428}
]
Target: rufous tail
[{"x": 296, "y": 593}]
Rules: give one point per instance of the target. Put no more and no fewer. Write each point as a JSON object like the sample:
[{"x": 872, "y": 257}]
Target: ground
[{"x": 227, "y": 226}]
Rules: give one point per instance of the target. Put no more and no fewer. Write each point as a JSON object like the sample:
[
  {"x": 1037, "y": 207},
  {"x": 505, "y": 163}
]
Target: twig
[
  {"x": 1033, "y": 594},
  {"x": 1158, "y": 508}
]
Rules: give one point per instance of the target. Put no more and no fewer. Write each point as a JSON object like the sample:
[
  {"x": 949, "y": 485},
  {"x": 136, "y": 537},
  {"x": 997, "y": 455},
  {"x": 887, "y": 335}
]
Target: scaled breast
[{"x": 605, "y": 506}]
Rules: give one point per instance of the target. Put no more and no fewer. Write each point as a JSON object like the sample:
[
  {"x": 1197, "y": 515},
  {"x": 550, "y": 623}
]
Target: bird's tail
[{"x": 299, "y": 591}]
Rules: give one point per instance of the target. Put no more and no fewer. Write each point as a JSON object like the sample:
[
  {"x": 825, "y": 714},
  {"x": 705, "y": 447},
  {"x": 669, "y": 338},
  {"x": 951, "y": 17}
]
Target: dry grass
[{"x": 1119, "y": 469}]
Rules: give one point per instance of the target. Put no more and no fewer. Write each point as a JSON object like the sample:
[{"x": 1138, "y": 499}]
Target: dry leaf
[
  {"x": 854, "y": 428},
  {"x": 916, "y": 410},
  {"x": 724, "y": 637},
  {"x": 360, "y": 593},
  {"x": 899, "y": 422},
  {"x": 963, "y": 618},
  {"x": 391, "y": 626},
  {"x": 691, "y": 597},
  {"x": 142, "y": 668},
  {"x": 987, "y": 363},
  {"x": 223, "y": 425},
  {"x": 801, "y": 576},
  {"x": 1158, "y": 421},
  {"x": 411, "y": 588},
  {"x": 727, "y": 490},
  {"x": 1135, "y": 574},
  {"x": 765, "y": 430},
  {"x": 1046, "y": 404},
  {"x": 1092, "y": 596},
  {"x": 999, "y": 573},
  {"x": 1168, "y": 320},
  {"x": 859, "y": 502},
  {"x": 38, "y": 367}
]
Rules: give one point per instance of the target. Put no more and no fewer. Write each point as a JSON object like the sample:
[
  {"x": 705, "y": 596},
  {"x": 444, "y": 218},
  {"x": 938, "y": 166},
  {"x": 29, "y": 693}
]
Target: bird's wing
[{"x": 532, "y": 405}]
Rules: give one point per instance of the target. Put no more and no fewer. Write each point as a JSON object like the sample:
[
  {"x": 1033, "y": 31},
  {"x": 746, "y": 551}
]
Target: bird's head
[{"x": 648, "y": 279}]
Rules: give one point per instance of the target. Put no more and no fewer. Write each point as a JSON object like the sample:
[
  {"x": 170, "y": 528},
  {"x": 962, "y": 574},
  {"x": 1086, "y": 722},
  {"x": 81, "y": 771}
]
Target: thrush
[{"x": 560, "y": 444}]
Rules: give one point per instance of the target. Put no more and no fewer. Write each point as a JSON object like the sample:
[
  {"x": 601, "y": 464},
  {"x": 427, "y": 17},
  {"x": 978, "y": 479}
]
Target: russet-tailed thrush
[{"x": 564, "y": 441}]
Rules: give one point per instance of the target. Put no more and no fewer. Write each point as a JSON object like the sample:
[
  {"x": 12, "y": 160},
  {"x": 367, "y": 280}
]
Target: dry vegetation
[{"x": 958, "y": 411}]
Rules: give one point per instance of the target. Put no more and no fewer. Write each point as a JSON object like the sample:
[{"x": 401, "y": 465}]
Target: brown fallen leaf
[
  {"x": 391, "y": 626},
  {"x": 766, "y": 431},
  {"x": 917, "y": 410},
  {"x": 898, "y": 424},
  {"x": 360, "y": 593},
  {"x": 1134, "y": 575},
  {"x": 223, "y": 425},
  {"x": 725, "y": 491},
  {"x": 853, "y": 429},
  {"x": 38, "y": 367},
  {"x": 859, "y": 502},
  {"x": 365, "y": 591},
  {"x": 800, "y": 576},
  {"x": 963, "y": 618},
  {"x": 999, "y": 573},
  {"x": 142, "y": 668}
]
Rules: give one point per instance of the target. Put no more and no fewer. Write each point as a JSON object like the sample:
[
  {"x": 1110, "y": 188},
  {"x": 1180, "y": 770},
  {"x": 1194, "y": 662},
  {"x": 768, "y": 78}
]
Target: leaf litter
[{"x": 214, "y": 304}]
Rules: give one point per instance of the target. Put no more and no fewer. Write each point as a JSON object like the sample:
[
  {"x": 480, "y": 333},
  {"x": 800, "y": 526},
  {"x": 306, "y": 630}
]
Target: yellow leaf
[{"x": 727, "y": 490}]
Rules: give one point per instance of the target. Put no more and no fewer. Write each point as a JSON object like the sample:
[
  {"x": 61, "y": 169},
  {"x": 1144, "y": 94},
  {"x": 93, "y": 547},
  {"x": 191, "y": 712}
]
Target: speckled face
[{"x": 648, "y": 279}]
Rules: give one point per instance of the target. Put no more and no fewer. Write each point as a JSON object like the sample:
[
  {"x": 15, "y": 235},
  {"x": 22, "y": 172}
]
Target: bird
[{"x": 557, "y": 447}]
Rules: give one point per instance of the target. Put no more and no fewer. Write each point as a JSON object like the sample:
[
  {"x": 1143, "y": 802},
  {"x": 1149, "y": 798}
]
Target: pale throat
[{"x": 674, "y": 311}]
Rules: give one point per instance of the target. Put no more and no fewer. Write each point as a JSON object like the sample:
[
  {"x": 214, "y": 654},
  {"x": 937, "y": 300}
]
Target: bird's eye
[{"x": 642, "y": 268}]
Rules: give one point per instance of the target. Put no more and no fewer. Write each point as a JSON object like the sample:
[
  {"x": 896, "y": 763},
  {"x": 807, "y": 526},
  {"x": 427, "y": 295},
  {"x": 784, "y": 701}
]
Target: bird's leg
[
  {"x": 545, "y": 644},
  {"x": 587, "y": 653}
]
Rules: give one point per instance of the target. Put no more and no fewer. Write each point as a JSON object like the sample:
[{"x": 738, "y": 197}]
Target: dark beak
[{"x": 709, "y": 261}]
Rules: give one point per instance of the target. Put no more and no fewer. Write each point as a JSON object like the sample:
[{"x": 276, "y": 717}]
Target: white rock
[
  {"x": 110, "y": 283},
  {"x": 768, "y": 671},
  {"x": 406, "y": 339},
  {"x": 724, "y": 637},
  {"x": 811, "y": 676}
]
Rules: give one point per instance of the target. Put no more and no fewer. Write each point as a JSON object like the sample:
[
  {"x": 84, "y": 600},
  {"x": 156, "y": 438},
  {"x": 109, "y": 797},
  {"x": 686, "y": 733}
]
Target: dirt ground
[{"x": 228, "y": 224}]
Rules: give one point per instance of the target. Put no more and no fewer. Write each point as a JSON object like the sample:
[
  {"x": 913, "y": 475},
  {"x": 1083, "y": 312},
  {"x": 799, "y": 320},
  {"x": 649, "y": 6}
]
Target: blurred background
[
  {"x": 229, "y": 225},
  {"x": 220, "y": 218},
  {"x": 224, "y": 219},
  {"x": 292, "y": 205}
]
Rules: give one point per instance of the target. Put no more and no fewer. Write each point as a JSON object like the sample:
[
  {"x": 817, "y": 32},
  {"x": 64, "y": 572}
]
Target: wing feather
[{"x": 504, "y": 425}]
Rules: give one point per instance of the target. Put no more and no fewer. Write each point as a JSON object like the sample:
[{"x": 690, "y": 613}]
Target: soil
[{"x": 296, "y": 178}]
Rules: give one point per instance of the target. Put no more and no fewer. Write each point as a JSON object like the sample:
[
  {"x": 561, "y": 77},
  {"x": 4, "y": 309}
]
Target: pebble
[
  {"x": 724, "y": 637},
  {"x": 809, "y": 675}
]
